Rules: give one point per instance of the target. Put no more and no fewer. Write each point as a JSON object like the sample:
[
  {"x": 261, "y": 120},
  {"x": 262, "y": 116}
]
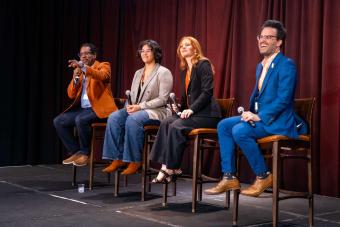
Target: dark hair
[
  {"x": 93, "y": 48},
  {"x": 155, "y": 47},
  {"x": 281, "y": 31}
]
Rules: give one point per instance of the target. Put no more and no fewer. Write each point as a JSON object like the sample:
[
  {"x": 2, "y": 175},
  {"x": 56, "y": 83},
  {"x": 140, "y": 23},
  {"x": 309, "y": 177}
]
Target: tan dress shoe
[
  {"x": 223, "y": 186},
  {"x": 81, "y": 160},
  {"x": 132, "y": 168},
  {"x": 115, "y": 164},
  {"x": 71, "y": 159},
  {"x": 259, "y": 186}
]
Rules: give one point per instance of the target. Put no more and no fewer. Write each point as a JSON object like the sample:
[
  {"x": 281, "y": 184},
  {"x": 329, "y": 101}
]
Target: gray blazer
[{"x": 154, "y": 93}]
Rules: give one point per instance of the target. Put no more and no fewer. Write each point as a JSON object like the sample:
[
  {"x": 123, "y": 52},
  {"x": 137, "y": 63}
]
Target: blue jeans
[
  {"x": 231, "y": 132},
  {"x": 124, "y": 135}
]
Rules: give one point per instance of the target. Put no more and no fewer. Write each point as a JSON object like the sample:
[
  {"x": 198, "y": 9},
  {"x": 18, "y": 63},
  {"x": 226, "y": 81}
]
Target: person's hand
[
  {"x": 75, "y": 64},
  {"x": 174, "y": 107},
  {"x": 76, "y": 72},
  {"x": 249, "y": 116},
  {"x": 132, "y": 108},
  {"x": 186, "y": 113}
]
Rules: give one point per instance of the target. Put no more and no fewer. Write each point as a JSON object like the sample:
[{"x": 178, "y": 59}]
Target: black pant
[
  {"x": 82, "y": 119},
  {"x": 172, "y": 137}
]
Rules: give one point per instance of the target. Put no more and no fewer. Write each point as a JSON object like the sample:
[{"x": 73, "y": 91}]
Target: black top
[{"x": 200, "y": 91}]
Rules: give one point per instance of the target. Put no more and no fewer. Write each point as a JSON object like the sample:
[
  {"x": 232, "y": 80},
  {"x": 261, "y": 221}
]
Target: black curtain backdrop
[{"x": 38, "y": 37}]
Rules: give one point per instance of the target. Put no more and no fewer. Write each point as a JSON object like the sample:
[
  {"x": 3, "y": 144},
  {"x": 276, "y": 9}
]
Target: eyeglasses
[
  {"x": 265, "y": 37},
  {"x": 84, "y": 54},
  {"x": 147, "y": 51}
]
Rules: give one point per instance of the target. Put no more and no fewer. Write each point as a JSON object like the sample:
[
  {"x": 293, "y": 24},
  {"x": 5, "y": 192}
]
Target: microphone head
[
  {"x": 127, "y": 92},
  {"x": 240, "y": 109},
  {"x": 81, "y": 64},
  {"x": 172, "y": 95}
]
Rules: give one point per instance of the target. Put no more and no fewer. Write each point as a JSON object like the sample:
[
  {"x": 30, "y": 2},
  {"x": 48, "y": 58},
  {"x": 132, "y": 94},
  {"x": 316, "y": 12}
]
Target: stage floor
[{"x": 44, "y": 196}]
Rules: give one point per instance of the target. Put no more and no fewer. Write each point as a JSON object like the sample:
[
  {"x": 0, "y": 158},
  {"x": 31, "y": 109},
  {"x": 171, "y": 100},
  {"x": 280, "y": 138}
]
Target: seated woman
[
  {"x": 199, "y": 109},
  {"x": 150, "y": 89}
]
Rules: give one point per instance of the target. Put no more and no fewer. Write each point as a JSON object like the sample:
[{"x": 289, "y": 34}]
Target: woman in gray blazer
[{"x": 150, "y": 89}]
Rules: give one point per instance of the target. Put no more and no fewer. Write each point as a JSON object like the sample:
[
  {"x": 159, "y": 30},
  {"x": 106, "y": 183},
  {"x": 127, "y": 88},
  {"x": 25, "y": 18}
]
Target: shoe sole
[
  {"x": 257, "y": 194},
  {"x": 115, "y": 169},
  {"x": 229, "y": 189},
  {"x": 76, "y": 164},
  {"x": 67, "y": 163}
]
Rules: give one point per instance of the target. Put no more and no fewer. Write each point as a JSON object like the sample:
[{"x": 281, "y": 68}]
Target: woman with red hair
[{"x": 198, "y": 109}]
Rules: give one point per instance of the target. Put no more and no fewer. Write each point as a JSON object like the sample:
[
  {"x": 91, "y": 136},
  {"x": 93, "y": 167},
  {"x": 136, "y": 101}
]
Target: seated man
[
  {"x": 271, "y": 112},
  {"x": 90, "y": 88}
]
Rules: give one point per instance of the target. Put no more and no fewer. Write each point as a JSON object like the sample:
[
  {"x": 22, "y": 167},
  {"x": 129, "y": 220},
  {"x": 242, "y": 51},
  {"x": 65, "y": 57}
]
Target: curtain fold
[{"x": 38, "y": 37}]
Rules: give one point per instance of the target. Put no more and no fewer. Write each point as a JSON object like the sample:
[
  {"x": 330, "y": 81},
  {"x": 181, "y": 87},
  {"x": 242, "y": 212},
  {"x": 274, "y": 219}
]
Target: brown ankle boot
[
  {"x": 113, "y": 166},
  {"x": 132, "y": 168}
]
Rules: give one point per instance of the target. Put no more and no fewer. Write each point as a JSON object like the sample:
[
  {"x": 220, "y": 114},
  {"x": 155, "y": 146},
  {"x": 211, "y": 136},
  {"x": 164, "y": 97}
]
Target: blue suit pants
[{"x": 232, "y": 132}]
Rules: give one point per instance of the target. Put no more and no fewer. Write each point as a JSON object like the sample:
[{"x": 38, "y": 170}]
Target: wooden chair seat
[
  {"x": 202, "y": 131},
  {"x": 273, "y": 138}
]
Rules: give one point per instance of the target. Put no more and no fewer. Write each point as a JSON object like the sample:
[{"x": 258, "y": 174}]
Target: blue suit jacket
[{"x": 276, "y": 98}]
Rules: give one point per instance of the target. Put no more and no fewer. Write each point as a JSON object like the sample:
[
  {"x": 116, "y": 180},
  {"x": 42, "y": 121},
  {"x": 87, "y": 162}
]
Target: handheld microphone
[
  {"x": 173, "y": 99},
  {"x": 240, "y": 110},
  {"x": 75, "y": 80},
  {"x": 81, "y": 64},
  {"x": 128, "y": 97}
]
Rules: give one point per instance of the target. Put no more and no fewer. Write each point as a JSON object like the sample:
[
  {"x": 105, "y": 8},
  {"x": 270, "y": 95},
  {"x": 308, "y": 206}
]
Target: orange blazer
[{"x": 98, "y": 88}]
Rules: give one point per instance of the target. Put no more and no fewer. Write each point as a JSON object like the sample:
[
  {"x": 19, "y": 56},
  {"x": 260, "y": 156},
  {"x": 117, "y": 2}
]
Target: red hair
[{"x": 197, "y": 50}]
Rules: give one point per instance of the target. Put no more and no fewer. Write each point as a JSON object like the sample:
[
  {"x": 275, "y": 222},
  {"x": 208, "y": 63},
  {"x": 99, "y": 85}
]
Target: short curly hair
[
  {"x": 281, "y": 31},
  {"x": 155, "y": 48}
]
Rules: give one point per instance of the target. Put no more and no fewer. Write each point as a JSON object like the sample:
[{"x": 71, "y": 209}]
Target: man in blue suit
[{"x": 271, "y": 112}]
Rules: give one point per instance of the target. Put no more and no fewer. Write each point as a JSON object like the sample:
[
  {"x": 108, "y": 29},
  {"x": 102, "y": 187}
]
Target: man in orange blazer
[{"x": 90, "y": 88}]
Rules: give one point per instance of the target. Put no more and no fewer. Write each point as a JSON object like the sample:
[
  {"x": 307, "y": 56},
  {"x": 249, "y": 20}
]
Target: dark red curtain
[{"x": 38, "y": 37}]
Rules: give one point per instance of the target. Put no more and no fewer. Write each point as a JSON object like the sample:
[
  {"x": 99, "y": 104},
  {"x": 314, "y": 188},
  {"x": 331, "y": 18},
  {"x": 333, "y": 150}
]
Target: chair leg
[
  {"x": 149, "y": 184},
  {"x": 144, "y": 176},
  {"x": 237, "y": 191},
  {"x": 194, "y": 175},
  {"x": 174, "y": 188},
  {"x": 199, "y": 173},
  {"x": 165, "y": 194},
  {"x": 227, "y": 199},
  {"x": 275, "y": 204},
  {"x": 74, "y": 177},
  {"x": 310, "y": 192},
  {"x": 235, "y": 206},
  {"x": 143, "y": 185},
  {"x": 144, "y": 165},
  {"x": 116, "y": 188},
  {"x": 199, "y": 192},
  {"x": 91, "y": 164},
  {"x": 91, "y": 175},
  {"x": 125, "y": 180},
  {"x": 108, "y": 178}
]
